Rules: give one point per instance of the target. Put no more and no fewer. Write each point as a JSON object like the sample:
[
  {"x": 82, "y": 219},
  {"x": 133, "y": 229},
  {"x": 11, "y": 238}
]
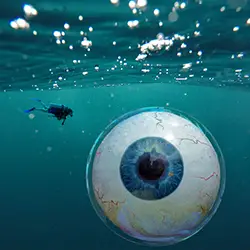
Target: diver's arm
[{"x": 63, "y": 121}]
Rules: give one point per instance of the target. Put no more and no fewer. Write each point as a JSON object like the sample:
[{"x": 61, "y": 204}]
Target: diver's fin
[
  {"x": 29, "y": 110},
  {"x": 36, "y": 99}
]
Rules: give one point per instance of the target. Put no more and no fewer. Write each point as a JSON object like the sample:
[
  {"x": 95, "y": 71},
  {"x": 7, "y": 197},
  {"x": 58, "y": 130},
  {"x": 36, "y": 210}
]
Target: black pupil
[{"x": 150, "y": 170}]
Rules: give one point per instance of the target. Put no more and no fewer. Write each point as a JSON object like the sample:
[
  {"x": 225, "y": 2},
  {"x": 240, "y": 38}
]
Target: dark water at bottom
[{"x": 44, "y": 203}]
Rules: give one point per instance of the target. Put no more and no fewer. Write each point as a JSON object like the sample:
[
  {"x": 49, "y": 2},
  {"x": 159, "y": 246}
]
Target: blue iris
[{"x": 151, "y": 168}]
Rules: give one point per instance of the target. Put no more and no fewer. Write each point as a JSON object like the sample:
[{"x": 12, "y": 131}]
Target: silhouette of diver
[{"x": 59, "y": 111}]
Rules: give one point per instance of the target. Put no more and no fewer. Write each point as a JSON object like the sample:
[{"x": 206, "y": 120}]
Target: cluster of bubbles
[{"x": 192, "y": 60}]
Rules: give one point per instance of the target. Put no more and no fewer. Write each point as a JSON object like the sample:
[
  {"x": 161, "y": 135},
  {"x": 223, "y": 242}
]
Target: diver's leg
[
  {"x": 37, "y": 109},
  {"x": 40, "y": 101},
  {"x": 44, "y": 105},
  {"x": 42, "y": 109}
]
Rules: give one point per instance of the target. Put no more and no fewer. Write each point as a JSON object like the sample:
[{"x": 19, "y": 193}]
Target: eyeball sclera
[{"x": 155, "y": 176}]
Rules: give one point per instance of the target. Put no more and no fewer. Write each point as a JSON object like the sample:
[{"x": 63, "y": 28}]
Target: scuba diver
[{"x": 59, "y": 111}]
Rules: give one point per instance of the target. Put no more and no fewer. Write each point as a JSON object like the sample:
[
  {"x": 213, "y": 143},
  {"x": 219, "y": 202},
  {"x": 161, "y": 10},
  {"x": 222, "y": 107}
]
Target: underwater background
[{"x": 88, "y": 55}]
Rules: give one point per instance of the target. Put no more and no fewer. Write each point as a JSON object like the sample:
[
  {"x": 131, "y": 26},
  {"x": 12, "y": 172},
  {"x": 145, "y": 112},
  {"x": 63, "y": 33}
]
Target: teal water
[{"x": 44, "y": 201}]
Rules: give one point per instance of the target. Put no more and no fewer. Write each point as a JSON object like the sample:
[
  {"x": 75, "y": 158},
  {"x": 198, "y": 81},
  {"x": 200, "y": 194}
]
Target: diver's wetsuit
[{"x": 58, "y": 111}]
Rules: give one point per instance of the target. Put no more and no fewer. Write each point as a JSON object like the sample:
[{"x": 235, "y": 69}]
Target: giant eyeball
[{"x": 155, "y": 176}]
